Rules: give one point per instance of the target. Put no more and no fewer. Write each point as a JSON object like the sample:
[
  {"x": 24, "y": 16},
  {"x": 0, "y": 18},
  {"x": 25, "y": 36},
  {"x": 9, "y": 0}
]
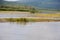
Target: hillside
[{"x": 43, "y": 4}]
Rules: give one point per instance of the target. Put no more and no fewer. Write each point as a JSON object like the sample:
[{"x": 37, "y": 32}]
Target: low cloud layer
[{"x": 11, "y": 0}]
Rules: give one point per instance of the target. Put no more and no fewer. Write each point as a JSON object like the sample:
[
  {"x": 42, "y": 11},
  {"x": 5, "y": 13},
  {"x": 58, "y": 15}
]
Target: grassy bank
[
  {"x": 26, "y": 20},
  {"x": 24, "y": 9},
  {"x": 18, "y": 8}
]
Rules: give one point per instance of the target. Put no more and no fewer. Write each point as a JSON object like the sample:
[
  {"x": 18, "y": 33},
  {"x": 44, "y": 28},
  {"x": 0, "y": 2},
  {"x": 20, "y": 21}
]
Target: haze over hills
[
  {"x": 44, "y": 4},
  {"x": 1, "y": 2}
]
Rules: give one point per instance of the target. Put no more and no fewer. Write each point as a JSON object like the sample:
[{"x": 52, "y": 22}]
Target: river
[
  {"x": 30, "y": 31},
  {"x": 15, "y": 14}
]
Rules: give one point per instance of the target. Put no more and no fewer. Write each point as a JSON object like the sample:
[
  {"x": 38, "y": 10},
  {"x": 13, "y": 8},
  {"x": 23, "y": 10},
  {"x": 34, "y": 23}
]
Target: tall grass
[
  {"x": 19, "y": 8},
  {"x": 25, "y": 20}
]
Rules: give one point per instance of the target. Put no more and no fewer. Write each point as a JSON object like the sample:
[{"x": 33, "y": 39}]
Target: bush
[{"x": 33, "y": 10}]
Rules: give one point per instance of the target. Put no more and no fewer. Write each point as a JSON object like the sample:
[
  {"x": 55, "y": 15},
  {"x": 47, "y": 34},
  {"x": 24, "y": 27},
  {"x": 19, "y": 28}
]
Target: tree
[{"x": 33, "y": 10}]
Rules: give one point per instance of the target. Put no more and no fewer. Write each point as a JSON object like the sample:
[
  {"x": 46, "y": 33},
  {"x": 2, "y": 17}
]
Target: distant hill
[
  {"x": 1, "y": 2},
  {"x": 43, "y": 4}
]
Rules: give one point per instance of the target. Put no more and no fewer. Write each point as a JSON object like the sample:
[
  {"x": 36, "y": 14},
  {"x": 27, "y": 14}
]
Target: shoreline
[
  {"x": 12, "y": 12},
  {"x": 36, "y": 17},
  {"x": 57, "y": 15},
  {"x": 27, "y": 20}
]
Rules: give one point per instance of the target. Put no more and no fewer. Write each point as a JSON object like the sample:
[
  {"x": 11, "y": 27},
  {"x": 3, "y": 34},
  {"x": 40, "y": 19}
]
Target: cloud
[{"x": 11, "y": 0}]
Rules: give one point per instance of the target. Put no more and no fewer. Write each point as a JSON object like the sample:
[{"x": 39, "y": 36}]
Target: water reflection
[
  {"x": 30, "y": 31},
  {"x": 22, "y": 23}
]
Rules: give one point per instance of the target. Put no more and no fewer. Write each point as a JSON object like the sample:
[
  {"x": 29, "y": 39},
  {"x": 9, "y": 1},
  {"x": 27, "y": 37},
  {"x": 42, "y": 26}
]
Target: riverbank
[
  {"x": 28, "y": 14},
  {"x": 15, "y": 16},
  {"x": 27, "y": 20}
]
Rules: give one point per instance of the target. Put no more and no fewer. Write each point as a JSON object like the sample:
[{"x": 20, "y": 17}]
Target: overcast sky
[
  {"x": 19, "y": 0},
  {"x": 11, "y": 0}
]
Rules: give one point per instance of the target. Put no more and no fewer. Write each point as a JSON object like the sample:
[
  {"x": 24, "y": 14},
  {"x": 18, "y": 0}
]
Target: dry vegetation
[
  {"x": 36, "y": 13},
  {"x": 26, "y": 20}
]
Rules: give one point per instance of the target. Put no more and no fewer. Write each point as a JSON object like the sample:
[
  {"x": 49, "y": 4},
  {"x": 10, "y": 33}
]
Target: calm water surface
[
  {"x": 30, "y": 31},
  {"x": 14, "y": 15}
]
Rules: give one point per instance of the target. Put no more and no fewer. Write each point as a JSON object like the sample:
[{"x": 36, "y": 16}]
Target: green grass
[
  {"x": 25, "y": 9},
  {"x": 19, "y": 8},
  {"x": 25, "y": 20}
]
